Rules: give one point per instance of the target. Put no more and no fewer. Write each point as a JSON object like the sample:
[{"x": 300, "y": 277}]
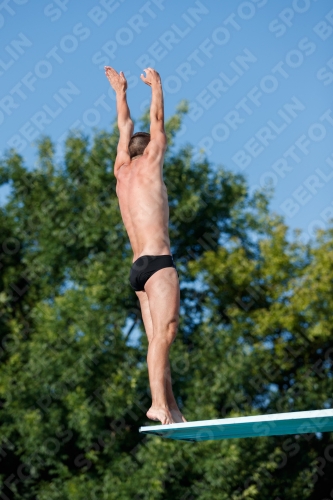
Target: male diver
[{"x": 144, "y": 208}]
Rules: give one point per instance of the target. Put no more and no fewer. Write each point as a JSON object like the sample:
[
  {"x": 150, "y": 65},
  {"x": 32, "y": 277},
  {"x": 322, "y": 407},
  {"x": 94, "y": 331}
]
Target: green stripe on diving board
[{"x": 276, "y": 424}]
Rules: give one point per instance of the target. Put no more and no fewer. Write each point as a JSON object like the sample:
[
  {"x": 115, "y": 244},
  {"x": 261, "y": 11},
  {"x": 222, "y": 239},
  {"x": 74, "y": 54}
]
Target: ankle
[{"x": 159, "y": 406}]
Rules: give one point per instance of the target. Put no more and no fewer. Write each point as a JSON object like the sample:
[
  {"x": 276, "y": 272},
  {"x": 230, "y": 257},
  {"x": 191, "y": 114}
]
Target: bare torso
[{"x": 143, "y": 201}]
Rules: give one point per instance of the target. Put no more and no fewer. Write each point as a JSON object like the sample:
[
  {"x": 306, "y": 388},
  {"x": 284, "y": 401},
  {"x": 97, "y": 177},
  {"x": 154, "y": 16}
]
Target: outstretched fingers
[
  {"x": 110, "y": 73},
  {"x": 110, "y": 70},
  {"x": 145, "y": 78},
  {"x": 151, "y": 76},
  {"x": 117, "y": 80}
]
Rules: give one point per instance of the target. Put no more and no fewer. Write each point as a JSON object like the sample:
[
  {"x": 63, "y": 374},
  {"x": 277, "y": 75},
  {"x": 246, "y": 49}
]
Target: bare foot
[
  {"x": 160, "y": 414},
  {"x": 177, "y": 415}
]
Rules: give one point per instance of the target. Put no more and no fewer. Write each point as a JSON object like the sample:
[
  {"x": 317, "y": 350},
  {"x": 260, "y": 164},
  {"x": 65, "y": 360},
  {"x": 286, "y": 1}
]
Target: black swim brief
[{"x": 144, "y": 267}]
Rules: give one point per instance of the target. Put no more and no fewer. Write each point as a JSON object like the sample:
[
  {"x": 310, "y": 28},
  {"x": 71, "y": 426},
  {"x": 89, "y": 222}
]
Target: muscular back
[
  {"x": 143, "y": 202},
  {"x": 140, "y": 188}
]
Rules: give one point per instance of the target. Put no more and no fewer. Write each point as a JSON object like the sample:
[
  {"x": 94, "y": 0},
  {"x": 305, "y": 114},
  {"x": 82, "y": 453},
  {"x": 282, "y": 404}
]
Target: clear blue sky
[{"x": 258, "y": 75}]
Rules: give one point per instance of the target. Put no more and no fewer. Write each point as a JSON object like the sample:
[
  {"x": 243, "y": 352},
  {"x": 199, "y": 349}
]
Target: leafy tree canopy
[{"x": 255, "y": 335}]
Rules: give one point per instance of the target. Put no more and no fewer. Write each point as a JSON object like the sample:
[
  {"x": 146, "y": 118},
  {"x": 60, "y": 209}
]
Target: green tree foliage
[{"x": 255, "y": 335}]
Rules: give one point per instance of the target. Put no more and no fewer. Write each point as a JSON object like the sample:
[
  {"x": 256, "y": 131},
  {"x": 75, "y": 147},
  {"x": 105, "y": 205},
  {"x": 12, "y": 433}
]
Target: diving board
[{"x": 276, "y": 424}]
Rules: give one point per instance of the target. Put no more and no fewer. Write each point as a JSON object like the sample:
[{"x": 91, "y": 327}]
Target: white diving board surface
[{"x": 277, "y": 424}]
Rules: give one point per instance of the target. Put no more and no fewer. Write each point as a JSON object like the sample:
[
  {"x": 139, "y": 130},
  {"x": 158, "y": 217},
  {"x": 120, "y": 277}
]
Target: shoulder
[
  {"x": 122, "y": 158},
  {"x": 158, "y": 136},
  {"x": 157, "y": 145}
]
